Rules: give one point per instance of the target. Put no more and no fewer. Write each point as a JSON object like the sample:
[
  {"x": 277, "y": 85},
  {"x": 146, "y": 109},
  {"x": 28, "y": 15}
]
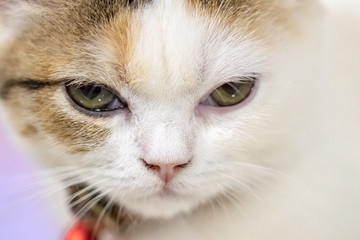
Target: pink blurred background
[{"x": 22, "y": 214}]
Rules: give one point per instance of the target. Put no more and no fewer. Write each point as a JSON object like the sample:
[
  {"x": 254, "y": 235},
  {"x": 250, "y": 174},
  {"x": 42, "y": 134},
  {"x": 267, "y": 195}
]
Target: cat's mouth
[{"x": 93, "y": 206}]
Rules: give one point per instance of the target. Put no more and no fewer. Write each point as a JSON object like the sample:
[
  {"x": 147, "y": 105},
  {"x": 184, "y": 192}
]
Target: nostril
[
  {"x": 167, "y": 171},
  {"x": 181, "y": 165},
  {"x": 158, "y": 167},
  {"x": 151, "y": 166}
]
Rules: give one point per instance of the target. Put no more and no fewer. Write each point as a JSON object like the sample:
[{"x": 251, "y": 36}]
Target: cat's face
[{"x": 161, "y": 105}]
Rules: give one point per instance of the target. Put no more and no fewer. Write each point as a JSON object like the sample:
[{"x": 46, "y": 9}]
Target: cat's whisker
[
  {"x": 233, "y": 198},
  {"x": 245, "y": 187},
  {"x": 45, "y": 193},
  {"x": 213, "y": 208},
  {"x": 100, "y": 217},
  {"x": 79, "y": 213},
  {"x": 81, "y": 192},
  {"x": 48, "y": 180},
  {"x": 263, "y": 169},
  {"x": 235, "y": 201},
  {"x": 51, "y": 172},
  {"x": 219, "y": 200},
  {"x": 87, "y": 207},
  {"x": 41, "y": 189},
  {"x": 121, "y": 208}
]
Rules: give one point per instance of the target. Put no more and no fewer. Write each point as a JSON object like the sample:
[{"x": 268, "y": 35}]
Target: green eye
[
  {"x": 94, "y": 97},
  {"x": 231, "y": 93}
]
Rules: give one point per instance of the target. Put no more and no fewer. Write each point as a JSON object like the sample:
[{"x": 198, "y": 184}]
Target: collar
[{"x": 81, "y": 231}]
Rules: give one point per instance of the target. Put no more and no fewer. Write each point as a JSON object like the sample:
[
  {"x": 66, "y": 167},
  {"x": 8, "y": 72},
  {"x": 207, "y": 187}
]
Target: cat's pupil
[
  {"x": 91, "y": 92},
  {"x": 229, "y": 89}
]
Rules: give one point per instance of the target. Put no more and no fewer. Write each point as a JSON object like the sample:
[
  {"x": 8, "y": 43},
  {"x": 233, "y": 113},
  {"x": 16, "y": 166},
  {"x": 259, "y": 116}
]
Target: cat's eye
[
  {"x": 231, "y": 93},
  {"x": 94, "y": 97}
]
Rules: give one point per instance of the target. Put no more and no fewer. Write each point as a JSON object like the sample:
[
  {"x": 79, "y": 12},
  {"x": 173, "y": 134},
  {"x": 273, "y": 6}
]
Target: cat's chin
[{"x": 162, "y": 206}]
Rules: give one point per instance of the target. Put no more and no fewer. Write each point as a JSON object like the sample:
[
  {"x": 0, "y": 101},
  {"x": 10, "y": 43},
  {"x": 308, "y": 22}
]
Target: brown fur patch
[
  {"x": 29, "y": 130},
  {"x": 79, "y": 134},
  {"x": 38, "y": 112},
  {"x": 58, "y": 33},
  {"x": 56, "y": 38}
]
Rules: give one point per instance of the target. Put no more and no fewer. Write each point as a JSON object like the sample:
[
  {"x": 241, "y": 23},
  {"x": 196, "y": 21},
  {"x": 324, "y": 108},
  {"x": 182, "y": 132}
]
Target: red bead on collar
[{"x": 80, "y": 231}]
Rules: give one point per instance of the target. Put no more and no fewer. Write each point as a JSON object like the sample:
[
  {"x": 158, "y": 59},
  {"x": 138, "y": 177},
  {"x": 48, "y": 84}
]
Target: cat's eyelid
[
  {"x": 100, "y": 82},
  {"x": 249, "y": 77},
  {"x": 254, "y": 77},
  {"x": 82, "y": 83}
]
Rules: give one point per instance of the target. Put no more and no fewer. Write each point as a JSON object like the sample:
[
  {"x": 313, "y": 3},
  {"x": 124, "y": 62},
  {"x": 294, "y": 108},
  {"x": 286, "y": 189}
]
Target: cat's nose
[{"x": 166, "y": 171}]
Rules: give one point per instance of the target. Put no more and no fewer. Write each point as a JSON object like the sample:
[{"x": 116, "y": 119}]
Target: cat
[{"x": 184, "y": 119}]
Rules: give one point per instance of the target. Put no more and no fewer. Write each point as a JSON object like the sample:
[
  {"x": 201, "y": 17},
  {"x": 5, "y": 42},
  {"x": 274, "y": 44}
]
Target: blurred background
[{"x": 23, "y": 214}]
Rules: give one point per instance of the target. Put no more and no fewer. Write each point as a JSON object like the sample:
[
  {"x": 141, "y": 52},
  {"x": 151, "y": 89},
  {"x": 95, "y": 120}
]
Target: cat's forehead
[
  {"x": 173, "y": 44},
  {"x": 143, "y": 43}
]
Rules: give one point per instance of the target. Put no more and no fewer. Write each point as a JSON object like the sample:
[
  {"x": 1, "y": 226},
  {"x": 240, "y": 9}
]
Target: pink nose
[{"x": 166, "y": 171}]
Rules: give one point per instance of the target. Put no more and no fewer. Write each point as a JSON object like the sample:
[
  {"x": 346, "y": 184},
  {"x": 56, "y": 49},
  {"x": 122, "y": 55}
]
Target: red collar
[{"x": 81, "y": 231}]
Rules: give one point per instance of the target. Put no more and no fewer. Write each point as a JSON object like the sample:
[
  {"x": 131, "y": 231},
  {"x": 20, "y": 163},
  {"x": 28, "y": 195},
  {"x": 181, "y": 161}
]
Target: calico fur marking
[
  {"x": 107, "y": 10},
  {"x": 76, "y": 131}
]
